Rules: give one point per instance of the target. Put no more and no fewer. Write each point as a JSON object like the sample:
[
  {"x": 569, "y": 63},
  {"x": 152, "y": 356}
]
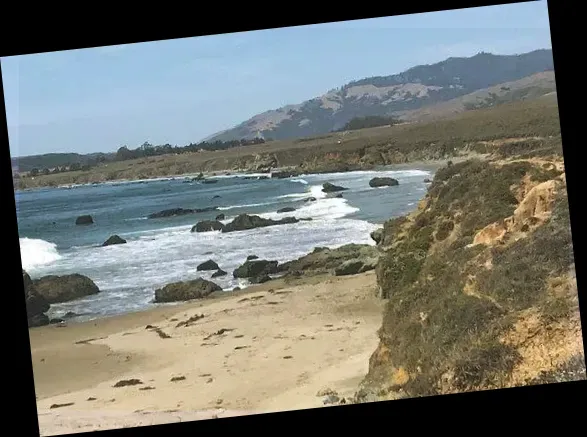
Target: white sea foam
[{"x": 35, "y": 253}]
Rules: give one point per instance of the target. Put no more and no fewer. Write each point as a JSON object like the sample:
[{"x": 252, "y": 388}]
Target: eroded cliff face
[{"x": 480, "y": 284}]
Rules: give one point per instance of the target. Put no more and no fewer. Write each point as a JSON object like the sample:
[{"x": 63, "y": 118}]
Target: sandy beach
[{"x": 272, "y": 347}]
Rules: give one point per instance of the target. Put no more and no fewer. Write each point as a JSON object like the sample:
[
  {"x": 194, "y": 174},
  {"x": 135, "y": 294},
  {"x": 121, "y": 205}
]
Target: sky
[{"x": 181, "y": 91}]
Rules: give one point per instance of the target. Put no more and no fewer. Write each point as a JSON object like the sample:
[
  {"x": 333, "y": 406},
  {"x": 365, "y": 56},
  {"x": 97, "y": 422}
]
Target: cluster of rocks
[
  {"x": 255, "y": 270},
  {"x": 243, "y": 222},
  {"x": 42, "y": 292}
]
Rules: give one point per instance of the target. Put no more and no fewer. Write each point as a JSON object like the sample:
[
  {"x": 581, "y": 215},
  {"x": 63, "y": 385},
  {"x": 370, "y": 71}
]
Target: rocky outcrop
[
  {"x": 324, "y": 260},
  {"x": 286, "y": 209},
  {"x": 245, "y": 222},
  {"x": 208, "y": 226},
  {"x": 383, "y": 182},
  {"x": 114, "y": 239},
  {"x": 56, "y": 289},
  {"x": 256, "y": 268},
  {"x": 264, "y": 163},
  {"x": 84, "y": 220},
  {"x": 186, "y": 290},
  {"x": 331, "y": 188},
  {"x": 36, "y": 305},
  {"x": 207, "y": 266},
  {"x": 480, "y": 285},
  {"x": 377, "y": 235},
  {"x": 220, "y": 217},
  {"x": 355, "y": 266},
  {"x": 252, "y": 257},
  {"x": 180, "y": 211}
]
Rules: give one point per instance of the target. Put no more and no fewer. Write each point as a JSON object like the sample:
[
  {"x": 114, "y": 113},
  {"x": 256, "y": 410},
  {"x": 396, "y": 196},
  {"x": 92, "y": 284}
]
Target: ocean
[{"x": 161, "y": 251}]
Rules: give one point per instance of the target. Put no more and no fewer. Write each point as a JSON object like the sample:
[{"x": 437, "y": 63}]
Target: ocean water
[{"x": 160, "y": 251}]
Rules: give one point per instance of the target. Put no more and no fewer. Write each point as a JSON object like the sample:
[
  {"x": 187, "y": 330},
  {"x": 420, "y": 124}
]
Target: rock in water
[
  {"x": 57, "y": 289},
  {"x": 245, "y": 222},
  {"x": 84, "y": 220},
  {"x": 170, "y": 213},
  {"x": 286, "y": 209},
  {"x": 187, "y": 290},
  {"x": 208, "y": 265},
  {"x": 252, "y": 257},
  {"x": 219, "y": 273},
  {"x": 331, "y": 188},
  {"x": 383, "y": 182},
  {"x": 256, "y": 268},
  {"x": 220, "y": 217},
  {"x": 208, "y": 226},
  {"x": 115, "y": 239}
]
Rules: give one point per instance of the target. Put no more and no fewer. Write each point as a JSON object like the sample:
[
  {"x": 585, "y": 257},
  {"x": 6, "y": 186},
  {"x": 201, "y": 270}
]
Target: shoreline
[
  {"x": 318, "y": 330},
  {"x": 432, "y": 164}
]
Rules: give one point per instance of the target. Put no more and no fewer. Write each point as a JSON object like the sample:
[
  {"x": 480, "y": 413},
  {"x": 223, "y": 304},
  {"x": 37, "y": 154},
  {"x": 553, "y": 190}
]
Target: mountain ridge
[{"x": 393, "y": 95}]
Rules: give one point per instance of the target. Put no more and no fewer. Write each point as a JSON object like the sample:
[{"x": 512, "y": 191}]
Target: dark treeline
[
  {"x": 369, "y": 121},
  {"x": 124, "y": 153}
]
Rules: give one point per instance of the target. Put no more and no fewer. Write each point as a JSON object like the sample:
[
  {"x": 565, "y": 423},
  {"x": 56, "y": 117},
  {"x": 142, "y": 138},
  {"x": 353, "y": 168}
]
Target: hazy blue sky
[{"x": 180, "y": 91}]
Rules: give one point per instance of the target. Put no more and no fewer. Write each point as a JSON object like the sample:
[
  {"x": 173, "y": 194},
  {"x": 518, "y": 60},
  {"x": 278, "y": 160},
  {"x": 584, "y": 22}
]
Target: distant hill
[
  {"x": 52, "y": 160},
  {"x": 396, "y": 95}
]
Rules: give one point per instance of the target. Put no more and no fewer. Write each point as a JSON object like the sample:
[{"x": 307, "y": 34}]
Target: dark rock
[
  {"x": 219, "y": 273},
  {"x": 38, "y": 320},
  {"x": 383, "y": 182},
  {"x": 187, "y": 290},
  {"x": 36, "y": 305},
  {"x": 210, "y": 181},
  {"x": 260, "y": 279},
  {"x": 338, "y": 196},
  {"x": 170, "y": 213},
  {"x": 216, "y": 197},
  {"x": 84, "y": 220},
  {"x": 310, "y": 199},
  {"x": 220, "y": 217},
  {"x": 208, "y": 226},
  {"x": 245, "y": 222},
  {"x": 285, "y": 174},
  {"x": 236, "y": 289},
  {"x": 427, "y": 181},
  {"x": 208, "y": 265},
  {"x": 331, "y": 188},
  {"x": 180, "y": 211},
  {"x": 252, "y": 257},
  {"x": 114, "y": 239},
  {"x": 286, "y": 209},
  {"x": 56, "y": 321},
  {"x": 57, "y": 289},
  {"x": 256, "y": 268}
]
